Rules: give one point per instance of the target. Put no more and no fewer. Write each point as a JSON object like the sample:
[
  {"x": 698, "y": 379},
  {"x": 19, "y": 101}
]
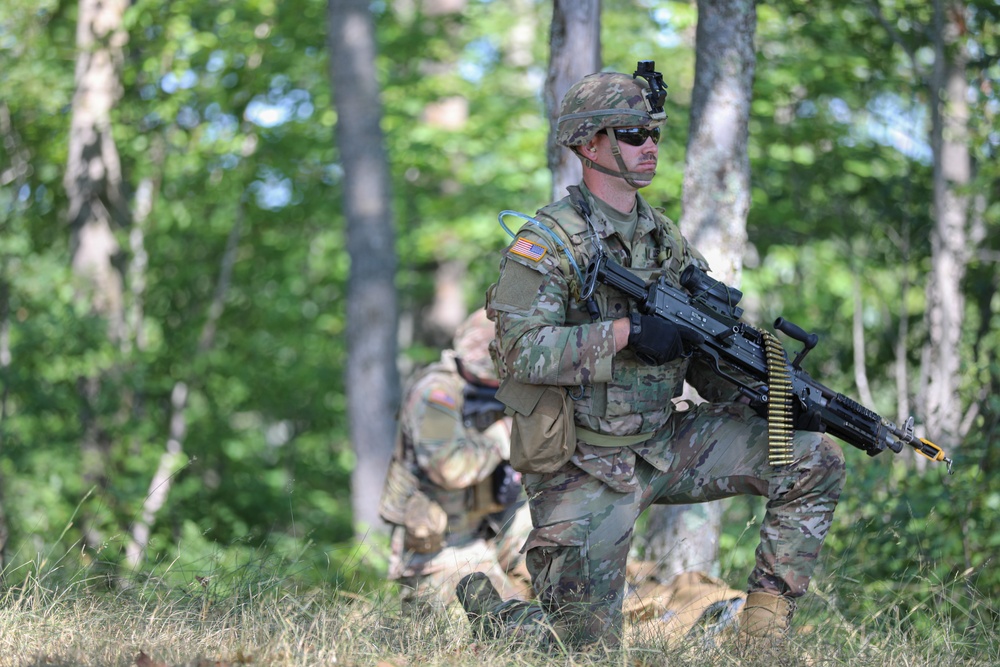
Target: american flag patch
[
  {"x": 527, "y": 249},
  {"x": 441, "y": 397}
]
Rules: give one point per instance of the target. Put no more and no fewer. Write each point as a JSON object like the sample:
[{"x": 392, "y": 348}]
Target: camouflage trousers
[{"x": 578, "y": 548}]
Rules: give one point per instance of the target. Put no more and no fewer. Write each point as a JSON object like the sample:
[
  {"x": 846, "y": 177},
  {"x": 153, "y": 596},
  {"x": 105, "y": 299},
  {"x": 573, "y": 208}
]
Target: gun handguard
[{"x": 710, "y": 308}]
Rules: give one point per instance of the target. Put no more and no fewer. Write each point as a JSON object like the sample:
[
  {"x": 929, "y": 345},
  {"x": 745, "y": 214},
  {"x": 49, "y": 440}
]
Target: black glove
[
  {"x": 506, "y": 484},
  {"x": 656, "y": 341}
]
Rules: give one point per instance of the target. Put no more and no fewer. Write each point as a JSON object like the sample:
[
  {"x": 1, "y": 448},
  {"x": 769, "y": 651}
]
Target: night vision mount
[{"x": 657, "y": 93}]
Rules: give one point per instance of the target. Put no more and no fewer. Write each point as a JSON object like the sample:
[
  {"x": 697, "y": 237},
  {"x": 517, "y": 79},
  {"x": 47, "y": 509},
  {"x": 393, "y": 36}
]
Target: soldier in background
[
  {"x": 627, "y": 447},
  {"x": 455, "y": 504}
]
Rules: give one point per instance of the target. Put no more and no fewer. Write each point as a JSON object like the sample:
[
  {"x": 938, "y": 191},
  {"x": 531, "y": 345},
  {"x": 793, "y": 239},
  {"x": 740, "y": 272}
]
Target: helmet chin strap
[{"x": 629, "y": 176}]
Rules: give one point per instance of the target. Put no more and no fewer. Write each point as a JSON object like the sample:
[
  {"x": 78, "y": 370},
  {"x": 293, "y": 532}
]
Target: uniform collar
[{"x": 604, "y": 227}]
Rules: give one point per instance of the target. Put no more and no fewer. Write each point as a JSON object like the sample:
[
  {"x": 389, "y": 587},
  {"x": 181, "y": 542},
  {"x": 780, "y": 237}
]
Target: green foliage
[
  {"x": 227, "y": 116},
  {"x": 242, "y": 613}
]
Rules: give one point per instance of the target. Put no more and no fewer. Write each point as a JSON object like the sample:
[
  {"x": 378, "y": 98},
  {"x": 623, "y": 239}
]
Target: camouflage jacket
[
  {"x": 545, "y": 335},
  {"x": 447, "y": 458}
]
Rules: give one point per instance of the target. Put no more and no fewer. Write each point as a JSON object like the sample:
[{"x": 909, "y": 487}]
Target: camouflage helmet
[
  {"x": 472, "y": 346},
  {"x": 602, "y": 100}
]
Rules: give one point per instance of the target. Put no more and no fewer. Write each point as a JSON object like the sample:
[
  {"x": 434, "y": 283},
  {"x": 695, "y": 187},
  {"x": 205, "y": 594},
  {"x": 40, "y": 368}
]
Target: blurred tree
[
  {"x": 952, "y": 241},
  {"x": 173, "y": 457},
  {"x": 97, "y": 209},
  {"x": 372, "y": 379},
  {"x": 716, "y": 200},
  {"x": 574, "y": 52}
]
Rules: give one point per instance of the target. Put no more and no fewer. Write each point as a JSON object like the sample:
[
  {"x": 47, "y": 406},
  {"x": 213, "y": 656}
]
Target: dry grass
[{"x": 276, "y": 624}]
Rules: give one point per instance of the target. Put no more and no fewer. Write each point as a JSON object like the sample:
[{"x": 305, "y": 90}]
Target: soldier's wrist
[{"x": 621, "y": 329}]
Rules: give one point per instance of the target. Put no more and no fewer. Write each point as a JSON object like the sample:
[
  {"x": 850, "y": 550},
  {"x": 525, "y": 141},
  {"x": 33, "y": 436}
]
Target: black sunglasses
[{"x": 636, "y": 136}]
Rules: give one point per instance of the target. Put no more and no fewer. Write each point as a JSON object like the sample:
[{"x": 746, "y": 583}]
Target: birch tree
[
  {"x": 97, "y": 206},
  {"x": 951, "y": 244},
  {"x": 954, "y": 236}
]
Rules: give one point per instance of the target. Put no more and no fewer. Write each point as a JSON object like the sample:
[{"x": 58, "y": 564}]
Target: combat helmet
[
  {"x": 472, "y": 343},
  {"x": 607, "y": 100}
]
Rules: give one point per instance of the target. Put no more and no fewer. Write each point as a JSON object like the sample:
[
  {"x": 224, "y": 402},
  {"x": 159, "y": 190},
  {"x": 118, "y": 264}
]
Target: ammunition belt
[{"x": 780, "y": 427}]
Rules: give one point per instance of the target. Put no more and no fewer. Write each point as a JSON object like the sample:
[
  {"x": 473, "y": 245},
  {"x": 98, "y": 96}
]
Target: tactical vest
[
  {"x": 638, "y": 400},
  {"x": 465, "y": 507}
]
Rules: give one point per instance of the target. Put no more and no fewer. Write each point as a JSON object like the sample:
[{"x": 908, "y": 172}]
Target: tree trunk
[
  {"x": 715, "y": 200},
  {"x": 173, "y": 458},
  {"x": 950, "y": 249},
  {"x": 448, "y": 309},
  {"x": 93, "y": 185},
  {"x": 93, "y": 178},
  {"x": 858, "y": 338},
  {"x": 900, "y": 348},
  {"x": 575, "y": 51},
  {"x": 372, "y": 378}
]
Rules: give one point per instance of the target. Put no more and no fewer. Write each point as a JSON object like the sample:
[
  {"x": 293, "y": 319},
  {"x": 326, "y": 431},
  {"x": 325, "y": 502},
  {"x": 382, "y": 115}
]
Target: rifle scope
[{"x": 715, "y": 293}]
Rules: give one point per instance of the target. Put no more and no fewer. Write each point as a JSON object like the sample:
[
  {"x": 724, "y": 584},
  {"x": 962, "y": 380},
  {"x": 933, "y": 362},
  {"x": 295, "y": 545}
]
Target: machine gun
[
  {"x": 480, "y": 408},
  {"x": 755, "y": 362}
]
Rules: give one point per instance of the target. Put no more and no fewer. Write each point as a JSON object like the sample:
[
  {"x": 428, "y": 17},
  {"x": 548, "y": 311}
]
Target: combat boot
[
  {"x": 480, "y": 600},
  {"x": 493, "y": 617},
  {"x": 764, "y": 622}
]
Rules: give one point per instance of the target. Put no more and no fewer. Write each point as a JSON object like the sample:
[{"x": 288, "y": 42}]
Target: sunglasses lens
[{"x": 636, "y": 136}]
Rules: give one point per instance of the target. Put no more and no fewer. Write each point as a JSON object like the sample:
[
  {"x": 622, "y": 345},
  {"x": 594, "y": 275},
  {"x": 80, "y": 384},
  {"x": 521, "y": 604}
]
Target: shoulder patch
[
  {"x": 517, "y": 287},
  {"x": 443, "y": 398},
  {"x": 528, "y": 249}
]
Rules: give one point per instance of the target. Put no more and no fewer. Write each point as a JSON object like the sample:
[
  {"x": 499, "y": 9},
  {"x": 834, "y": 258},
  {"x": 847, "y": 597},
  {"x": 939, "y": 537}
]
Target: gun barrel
[
  {"x": 921, "y": 446},
  {"x": 929, "y": 450}
]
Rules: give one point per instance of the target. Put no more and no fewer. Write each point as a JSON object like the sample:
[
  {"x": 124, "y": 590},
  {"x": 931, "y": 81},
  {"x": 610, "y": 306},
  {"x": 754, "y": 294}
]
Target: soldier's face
[{"x": 639, "y": 159}]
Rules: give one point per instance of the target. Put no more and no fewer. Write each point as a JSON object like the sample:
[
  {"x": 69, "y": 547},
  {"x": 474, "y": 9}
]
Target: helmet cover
[
  {"x": 599, "y": 101},
  {"x": 472, "y": 345}
]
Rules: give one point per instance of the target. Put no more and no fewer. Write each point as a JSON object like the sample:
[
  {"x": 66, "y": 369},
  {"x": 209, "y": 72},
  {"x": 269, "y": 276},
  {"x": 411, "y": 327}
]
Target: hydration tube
[{"x": 546, "y": 232}]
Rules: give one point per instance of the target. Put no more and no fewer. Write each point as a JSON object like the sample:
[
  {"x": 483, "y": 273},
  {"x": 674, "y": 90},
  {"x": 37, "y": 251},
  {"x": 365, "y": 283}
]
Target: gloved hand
[
  {"x": 656, "y": 341},
  {"x": 506, "y": 484},
  {"x": 807, "y": 418}
]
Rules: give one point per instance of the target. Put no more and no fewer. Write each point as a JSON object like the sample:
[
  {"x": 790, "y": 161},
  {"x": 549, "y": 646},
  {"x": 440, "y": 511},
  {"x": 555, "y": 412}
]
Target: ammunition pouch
[
  {"x": 543, "y": 434},
  {"x": 404, "y": 504},
  {"x": 400, "y": 484},
  {"x": 425, "y": 523}
]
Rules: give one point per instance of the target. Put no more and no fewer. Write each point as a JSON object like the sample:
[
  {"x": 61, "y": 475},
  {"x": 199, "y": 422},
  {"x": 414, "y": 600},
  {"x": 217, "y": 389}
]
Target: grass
[{"x": 247, "y": 617}]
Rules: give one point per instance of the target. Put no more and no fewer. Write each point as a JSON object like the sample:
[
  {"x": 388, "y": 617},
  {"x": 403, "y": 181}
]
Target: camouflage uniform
[
  {"x": 453, "y": 465},
  {"x": 584, "y": 513}
]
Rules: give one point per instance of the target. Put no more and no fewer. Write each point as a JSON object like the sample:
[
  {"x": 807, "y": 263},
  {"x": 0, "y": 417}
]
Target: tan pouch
[
  {"x": 543, "y": 435},
  {"x": 425, "y": 522},
  {"x": 400, "y": 484}
]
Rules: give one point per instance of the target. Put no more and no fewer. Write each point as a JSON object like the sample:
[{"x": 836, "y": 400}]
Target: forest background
[{"x": 208, "y": 432}]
